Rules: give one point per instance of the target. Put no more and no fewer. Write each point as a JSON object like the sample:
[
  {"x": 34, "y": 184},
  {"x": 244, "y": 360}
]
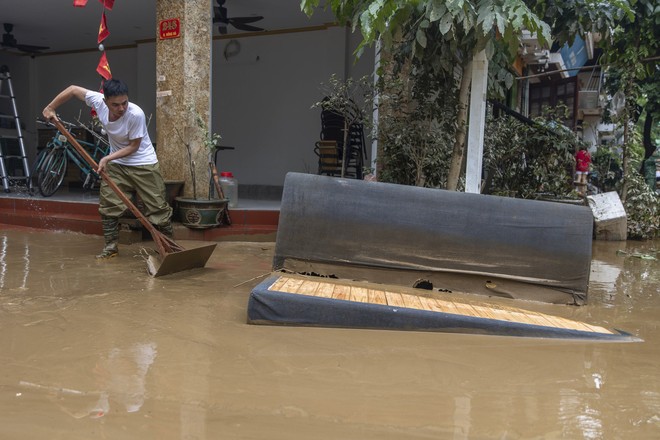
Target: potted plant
[{"x": 200, "y": 212}]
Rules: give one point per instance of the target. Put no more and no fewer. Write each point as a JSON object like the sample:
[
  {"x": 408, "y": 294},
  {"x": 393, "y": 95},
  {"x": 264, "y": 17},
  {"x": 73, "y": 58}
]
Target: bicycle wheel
[
  {"x": 52, "y": 173},
  {"x": 36, "y": 167},
  {"x": 89, "y": 178}
]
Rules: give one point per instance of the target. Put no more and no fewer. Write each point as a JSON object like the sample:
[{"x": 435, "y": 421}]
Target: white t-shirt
[{"x": 132, "y": 125}]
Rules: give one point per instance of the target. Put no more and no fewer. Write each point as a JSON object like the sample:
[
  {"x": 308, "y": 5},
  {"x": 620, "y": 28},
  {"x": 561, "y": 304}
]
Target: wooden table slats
[{"x": 340, "y": 291}]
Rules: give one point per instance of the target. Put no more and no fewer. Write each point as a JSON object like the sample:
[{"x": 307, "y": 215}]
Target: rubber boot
[
  {"x": 111, "y": 236},
  {"x": 166, "y": 230}
]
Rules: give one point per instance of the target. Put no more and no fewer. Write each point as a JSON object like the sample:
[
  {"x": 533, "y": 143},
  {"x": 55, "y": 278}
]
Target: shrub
[
  {"x": 529, "y": 161},
  {"x": 416, "y": 126},
  {"x": 642, "y": 209}
]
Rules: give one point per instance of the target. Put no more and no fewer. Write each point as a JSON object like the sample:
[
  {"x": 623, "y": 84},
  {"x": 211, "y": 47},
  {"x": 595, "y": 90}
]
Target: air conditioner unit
[{"x": 588, "y": 99}]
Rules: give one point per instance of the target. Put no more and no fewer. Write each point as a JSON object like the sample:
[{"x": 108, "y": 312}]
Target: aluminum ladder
[{"x": 11, "y": 133}]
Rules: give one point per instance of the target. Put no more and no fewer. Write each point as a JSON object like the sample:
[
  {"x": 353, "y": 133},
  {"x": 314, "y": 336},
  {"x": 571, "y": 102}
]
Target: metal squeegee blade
[{"x": 179, "y": 261}]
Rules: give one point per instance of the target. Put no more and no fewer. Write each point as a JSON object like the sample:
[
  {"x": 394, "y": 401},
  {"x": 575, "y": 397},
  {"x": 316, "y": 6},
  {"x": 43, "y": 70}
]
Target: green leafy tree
[
  {"x": 530, "y": 160},
  {"x": 448, "y": 34},
  {"x": 631, "y": 53},
  {"x": 416, "y": 126},
  {"x": 607, "y": 168},
  {"x": 642, "y": 209},
  {"x": 453, "y": 30}
]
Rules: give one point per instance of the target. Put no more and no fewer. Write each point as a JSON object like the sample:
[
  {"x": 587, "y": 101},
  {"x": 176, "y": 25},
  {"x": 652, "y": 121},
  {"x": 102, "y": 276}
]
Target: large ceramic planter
[
  {"x": 200, "y": 213},
  {"x": 173, "y": 190}
]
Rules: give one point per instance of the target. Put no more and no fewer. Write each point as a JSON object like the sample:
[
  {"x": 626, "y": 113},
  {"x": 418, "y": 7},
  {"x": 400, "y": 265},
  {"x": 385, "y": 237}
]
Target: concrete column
[
  {"x": 183, "y": 85},
  {"x": 475, "y": 150}
]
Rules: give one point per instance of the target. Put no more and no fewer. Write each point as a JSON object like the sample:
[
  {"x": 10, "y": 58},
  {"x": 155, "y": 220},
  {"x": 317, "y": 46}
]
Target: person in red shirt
[{"x": 582, "y": 163}]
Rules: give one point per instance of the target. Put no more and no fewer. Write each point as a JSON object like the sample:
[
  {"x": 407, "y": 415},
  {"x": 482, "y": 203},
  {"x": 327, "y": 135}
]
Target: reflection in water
[
  {"x": 598, "y": 380},
  {"x": 590, "y": 423},
  {"x": 26, "y": 267},
  {"x": 462, "y": 412},
  {"x": 578, "y": 417},
  {"x": 604, "y": 277},
  {"x": 5, "y": 252},
  {"x": 3, "y": 262},
  {"x": 593, "y": 378},
  {"x": 122, "y": 377}
]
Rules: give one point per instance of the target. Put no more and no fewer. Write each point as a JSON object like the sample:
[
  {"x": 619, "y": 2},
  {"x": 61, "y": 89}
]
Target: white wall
[
  {"x": 261, "y": 98},
  {"x": 55, "y": 73},
  {"x": 262, "y": 102}
]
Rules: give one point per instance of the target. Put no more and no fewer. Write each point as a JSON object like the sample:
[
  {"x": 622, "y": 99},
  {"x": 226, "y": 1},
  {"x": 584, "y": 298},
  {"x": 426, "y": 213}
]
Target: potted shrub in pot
[{"x": 201, "y": 212}]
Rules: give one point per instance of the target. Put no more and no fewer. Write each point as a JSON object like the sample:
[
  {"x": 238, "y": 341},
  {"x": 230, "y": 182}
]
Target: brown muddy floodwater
[{"x": 94, "y": 350}]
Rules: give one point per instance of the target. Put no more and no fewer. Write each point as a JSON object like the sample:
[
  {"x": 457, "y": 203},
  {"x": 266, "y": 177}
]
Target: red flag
[
  {"x": 79, "y": 3},
  {"x": 107, "y": 4},
  {"x": 103, "y": 29},
  {"x": 104, "y": 68}
]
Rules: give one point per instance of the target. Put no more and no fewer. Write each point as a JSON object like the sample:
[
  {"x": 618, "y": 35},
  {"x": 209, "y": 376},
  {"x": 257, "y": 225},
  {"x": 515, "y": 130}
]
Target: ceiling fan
[
  {"x": 240, "y": 23},
  {"x": 9, "y": 42}
]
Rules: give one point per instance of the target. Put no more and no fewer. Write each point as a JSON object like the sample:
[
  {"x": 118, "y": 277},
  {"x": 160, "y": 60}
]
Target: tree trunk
[
  {"x": 649, "y": 145},
  {"x": 625, "y": 153},
  {"x": 344, "y": 153},
  {"x": 461, "y": 120}
]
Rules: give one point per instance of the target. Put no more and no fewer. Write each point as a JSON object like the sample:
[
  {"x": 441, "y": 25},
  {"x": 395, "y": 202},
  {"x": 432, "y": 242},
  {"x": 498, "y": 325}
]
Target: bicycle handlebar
[
  {"x": 93, "y": 133},
  {"x": 44, "y": 122}
]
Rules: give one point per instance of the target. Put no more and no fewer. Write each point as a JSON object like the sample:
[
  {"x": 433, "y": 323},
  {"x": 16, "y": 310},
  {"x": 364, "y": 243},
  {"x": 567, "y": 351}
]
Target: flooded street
[{"x": 100, "y": 350}]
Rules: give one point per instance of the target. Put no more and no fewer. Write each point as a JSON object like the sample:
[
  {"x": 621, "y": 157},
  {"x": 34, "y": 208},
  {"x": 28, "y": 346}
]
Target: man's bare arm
[
  {"x": 50, "y": 111},
  {"x": 131, "y": 148}
]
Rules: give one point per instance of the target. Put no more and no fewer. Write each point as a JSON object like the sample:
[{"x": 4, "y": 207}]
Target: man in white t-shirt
[{"x": 131, "y": 163}]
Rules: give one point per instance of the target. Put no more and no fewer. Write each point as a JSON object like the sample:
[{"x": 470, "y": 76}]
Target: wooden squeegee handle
[
  {"x": 216, "y": 180},
  {"x": 92, "y": 163}
]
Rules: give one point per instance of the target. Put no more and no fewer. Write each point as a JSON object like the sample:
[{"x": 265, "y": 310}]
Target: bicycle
[{"x": 51, "y": 164}]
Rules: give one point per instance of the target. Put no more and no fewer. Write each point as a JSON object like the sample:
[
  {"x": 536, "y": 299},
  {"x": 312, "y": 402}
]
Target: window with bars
[{"x": 548, "y": 95}]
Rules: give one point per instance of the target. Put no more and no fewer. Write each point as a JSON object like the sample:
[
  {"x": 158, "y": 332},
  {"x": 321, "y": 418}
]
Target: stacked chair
[{"x": 330, "y": 148}]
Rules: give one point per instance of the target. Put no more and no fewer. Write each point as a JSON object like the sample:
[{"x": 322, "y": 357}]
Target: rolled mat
[{"x": 396, "y": 234}]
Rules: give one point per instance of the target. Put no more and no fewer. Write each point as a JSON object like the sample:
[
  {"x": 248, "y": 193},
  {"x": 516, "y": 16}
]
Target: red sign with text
[{"x": 170, "y": 28}]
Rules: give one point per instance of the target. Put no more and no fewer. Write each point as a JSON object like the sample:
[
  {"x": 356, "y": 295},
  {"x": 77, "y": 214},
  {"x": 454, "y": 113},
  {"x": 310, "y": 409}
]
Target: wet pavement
[{"x": 100, "y": 350}]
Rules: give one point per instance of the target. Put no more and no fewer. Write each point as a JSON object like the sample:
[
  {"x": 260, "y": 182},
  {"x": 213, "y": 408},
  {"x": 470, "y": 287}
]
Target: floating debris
[{"x": 637, "y": 255}]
